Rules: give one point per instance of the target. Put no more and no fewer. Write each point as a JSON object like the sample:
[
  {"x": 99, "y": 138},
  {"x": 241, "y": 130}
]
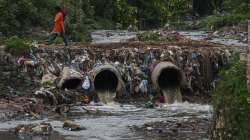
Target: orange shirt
[{"x": 58, "y": 23}]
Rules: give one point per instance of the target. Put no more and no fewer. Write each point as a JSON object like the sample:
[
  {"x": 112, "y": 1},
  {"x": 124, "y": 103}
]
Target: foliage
[
  {"x": 217, "y": 21},
  {"x": 237, "y": 6},
  {"x": 19, "y": 17},
  {"x": 232, "y": 109},
  {"x": 13, "y": 15},
  {"x": 16, "y": 46},
  {"x": 126, "y": 13}
]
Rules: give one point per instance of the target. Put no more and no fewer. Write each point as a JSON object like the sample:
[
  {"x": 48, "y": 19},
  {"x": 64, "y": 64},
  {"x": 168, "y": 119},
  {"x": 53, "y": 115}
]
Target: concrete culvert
[
  {"x": 71, "y": 83},
  {"x": 106, "y": 80},
  {"x": 71, "y": 79},
  {"x": 167, "y": 78},
  {"x": 166, "y": 75}
]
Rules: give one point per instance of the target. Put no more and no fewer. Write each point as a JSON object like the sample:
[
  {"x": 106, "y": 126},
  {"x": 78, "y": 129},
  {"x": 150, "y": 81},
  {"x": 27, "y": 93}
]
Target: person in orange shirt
[{"x": 58, "y": 28}]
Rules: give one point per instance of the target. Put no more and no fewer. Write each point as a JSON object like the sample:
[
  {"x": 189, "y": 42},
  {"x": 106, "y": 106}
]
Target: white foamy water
[
  {"x": 106, "y": 97},
  {"x": 114, "y": 126}
]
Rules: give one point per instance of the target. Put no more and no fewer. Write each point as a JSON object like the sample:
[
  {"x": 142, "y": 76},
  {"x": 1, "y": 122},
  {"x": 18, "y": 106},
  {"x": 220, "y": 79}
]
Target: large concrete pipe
[
  {"x": 70, "y": 79},
  {"x": 167, "y": 78},
  {"x": 107, "y": 81}
]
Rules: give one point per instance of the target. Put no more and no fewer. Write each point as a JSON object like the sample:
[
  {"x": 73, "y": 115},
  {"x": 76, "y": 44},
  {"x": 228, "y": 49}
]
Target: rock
[
  {"x": 72, "y": 126},
  {"x": 149, "y": 128},
  {"x": 149, "y": 105}
]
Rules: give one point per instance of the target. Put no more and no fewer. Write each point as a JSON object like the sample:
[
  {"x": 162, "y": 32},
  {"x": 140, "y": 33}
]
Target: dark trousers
[{"x": 53, "y": 36}]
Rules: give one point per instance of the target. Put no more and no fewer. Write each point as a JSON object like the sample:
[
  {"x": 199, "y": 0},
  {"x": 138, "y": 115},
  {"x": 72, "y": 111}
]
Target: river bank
[{"x": 124, "y": 120}]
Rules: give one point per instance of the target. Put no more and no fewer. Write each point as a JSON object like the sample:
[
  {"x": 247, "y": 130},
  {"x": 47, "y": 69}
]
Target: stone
[
  {"x": 72, "y": 126},
  {"x": 149, "y": 128}
]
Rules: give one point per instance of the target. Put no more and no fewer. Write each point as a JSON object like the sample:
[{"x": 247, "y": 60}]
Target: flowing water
[
  {"x": 106, "y": 97},
  {"x": 172, "y": 95},
  {"x": 113, "y": 121}
]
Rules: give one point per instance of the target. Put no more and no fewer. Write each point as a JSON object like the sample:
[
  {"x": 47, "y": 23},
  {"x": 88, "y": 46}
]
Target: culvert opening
[
  {"x": 169, "y": 78},
  {"x": 106, "y": 81},
  {"x": 71, "y": 83}
]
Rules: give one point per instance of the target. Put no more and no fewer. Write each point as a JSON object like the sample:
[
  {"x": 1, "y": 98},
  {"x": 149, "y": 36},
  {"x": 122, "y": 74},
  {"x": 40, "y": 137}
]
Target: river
[{"x": 115, "y": 121}]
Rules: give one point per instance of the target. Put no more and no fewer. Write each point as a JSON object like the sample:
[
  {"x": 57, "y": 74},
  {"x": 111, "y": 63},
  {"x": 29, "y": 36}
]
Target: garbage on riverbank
[
  {"x": 133, "y": 62},
  {"x": 190, "y": 128},
  {"x": 42, "y": 129}
]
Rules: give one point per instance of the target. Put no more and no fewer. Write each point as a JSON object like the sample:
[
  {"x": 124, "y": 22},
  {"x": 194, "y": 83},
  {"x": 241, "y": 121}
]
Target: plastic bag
[{"x": 86, "y": 84}]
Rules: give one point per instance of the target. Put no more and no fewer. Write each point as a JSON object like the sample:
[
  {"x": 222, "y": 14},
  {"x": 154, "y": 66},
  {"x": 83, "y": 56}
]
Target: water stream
[
  {"x": 106, "y": 97},
  {"x": 113, "y": 121},
  {"x": 172, "y": 95}
]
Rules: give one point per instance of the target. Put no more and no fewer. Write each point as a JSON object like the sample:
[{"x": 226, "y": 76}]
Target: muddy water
[
  {"x": 113, "y": 121},
  {"x": 172, "y": 95},
  {"x": 106, "y": 97}
]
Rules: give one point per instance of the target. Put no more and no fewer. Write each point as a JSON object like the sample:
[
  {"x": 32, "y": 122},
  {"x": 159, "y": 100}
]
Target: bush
[
  {"x": 217, "y": 21},
  {"x": 232, "y": 109},
  {"x": 16, "y": 46}
]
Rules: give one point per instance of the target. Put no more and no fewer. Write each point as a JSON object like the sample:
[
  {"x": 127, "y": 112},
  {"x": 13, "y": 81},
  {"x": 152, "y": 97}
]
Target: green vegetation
[
  {"x": 16, "y": 46},
  {"x": 217, "y": 21},
  {"x": 22, "y": 16},
  {"x": 232, "y": 108},
  {"x": 227, "y": 13}
]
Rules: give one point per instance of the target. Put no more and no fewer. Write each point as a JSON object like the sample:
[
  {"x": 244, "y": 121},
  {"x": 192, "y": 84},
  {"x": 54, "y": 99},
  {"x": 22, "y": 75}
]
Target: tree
[{"x": 202, "y": 7}]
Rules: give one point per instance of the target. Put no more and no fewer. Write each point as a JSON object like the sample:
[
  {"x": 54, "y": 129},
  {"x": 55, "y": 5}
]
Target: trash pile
[
  {"x": 42, "y": 129},
  {"x": 232, "y": 35},
  {"x": 160, "y": 36},
  {"x": 68, "y": 75}
]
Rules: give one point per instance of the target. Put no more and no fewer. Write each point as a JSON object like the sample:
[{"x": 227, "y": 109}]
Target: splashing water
[
  {"x": 115, "y": 122},
  {"x": 106, "y": 97},
  {"x": 172, "y": 95}
]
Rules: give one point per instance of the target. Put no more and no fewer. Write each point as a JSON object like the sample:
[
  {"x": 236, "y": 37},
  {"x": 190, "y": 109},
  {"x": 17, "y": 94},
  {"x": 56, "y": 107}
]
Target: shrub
[
  {"x": 218, "y": 21},
  {"x": 16, "y": 46},
  {"x": 232, "y": 109}
]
